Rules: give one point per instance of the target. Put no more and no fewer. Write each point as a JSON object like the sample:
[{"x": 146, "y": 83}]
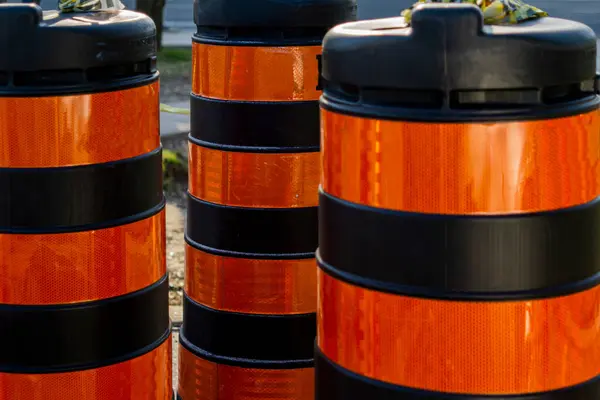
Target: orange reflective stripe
[
  {"x": 203, "y": 380},
  {"x": 461, "y": 347},
  {"x": 81, "y": 266},
  {"x": 493, "y": 168},
  {"x": 78, "y": 130},
  {"x": 250, "y": 285},
  {"x": 255, "y": 73},
  {"x": 144, "y": 377},
  {"x": 248, "y": 179}
]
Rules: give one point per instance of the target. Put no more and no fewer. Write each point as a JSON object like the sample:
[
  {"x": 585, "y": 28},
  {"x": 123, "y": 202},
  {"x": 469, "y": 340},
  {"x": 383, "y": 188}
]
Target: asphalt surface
[{"x": 178, "y": 13}]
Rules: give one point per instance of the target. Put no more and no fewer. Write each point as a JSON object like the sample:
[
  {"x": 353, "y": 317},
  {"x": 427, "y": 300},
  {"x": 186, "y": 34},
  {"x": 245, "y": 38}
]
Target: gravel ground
[
  {"x": 175, "y": 87},
  {"x": 175, "y": 90},
  {"x": 176, "y": 251},
  {"x": 175, "y": 193}
]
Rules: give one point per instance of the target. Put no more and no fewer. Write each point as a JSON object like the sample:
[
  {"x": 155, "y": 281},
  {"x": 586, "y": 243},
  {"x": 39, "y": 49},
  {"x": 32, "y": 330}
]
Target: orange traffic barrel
[
  {"x": 460, "y": 213},
  {"x": 83, "y": 284},
  {"x": 249, "y": 320}
]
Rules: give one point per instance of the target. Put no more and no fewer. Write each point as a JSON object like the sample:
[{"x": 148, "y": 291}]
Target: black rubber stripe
[
  {"x": 336, "y": 383},
  {"x": 242, "y": 362},
  {"x": 470, "y": 257},
  {"x": 255, "y": 256},
  {"x": 371, "y": 284},
  {"x": 272, "y": 231},
  {"x": 112, "y": 85},
  {"x": 249, "y": 149},
  {"x": 48, "y": 200},
  {"x": 257, "y": 38},
  {"x": 275, "y": 127},
  {"x": 457, "y": 115},
  {"x": 75, "y": 337},
  {"x": 248, "y": 337}
]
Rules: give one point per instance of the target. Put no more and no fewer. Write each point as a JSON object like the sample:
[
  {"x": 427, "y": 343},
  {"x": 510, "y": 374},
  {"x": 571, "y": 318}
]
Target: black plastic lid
[
  {"x": 277, "y": 20},
  {"x": 49, "y": 51},
  {"x": 449, "y": 66}
]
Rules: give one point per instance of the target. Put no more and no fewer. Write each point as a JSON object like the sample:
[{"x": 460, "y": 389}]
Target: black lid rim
[
  {"x": 292, "y": 42},
  {"x": 463, "y": 296},
  {"x": 97, "y": 87},
  {"x": 444, "y": 115},
  {"x": 274, "y": 13}
]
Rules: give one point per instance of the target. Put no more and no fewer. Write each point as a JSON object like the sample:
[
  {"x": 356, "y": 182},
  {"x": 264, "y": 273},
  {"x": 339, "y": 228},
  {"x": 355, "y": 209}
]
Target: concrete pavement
[
  {"x": 179, "y": 37},
  {"x": 173, "y": 126}
]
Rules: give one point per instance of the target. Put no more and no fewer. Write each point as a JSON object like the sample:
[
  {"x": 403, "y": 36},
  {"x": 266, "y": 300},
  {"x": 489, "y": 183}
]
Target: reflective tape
[
  {"x": 453, "y": 168},
  {"x": 81, "y": 266},
  {"x": 74, "y": 130},
  {"x": 247, "y": 73},
  {"x": 487, "y": 348},
  {"x": 252, "y": 286},
  {"x": 269, "y": 180}
]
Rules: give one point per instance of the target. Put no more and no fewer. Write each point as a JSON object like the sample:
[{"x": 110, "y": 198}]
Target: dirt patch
[{"x": 175, "y": 192}]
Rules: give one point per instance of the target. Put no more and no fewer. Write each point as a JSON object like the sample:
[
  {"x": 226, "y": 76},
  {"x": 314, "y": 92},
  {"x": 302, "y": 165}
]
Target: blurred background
[{"x": 177, "y": 14}]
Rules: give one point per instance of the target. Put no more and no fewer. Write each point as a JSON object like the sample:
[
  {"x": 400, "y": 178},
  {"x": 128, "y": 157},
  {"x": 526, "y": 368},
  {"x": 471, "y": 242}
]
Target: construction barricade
[
  {"x": 459, "y": 213},
  {"x": 250, "y": 292},
  {"x": 83, "y": 284}
]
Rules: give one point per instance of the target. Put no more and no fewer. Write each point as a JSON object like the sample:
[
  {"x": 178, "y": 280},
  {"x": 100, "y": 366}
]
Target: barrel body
[
  {"x": 83, "y": 284},
  {"x": 459, "y": 211},
  {"x": 250, "y": 292}
]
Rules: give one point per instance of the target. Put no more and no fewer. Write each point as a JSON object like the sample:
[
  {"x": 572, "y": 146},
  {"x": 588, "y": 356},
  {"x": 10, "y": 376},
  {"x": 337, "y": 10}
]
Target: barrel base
[{"x": 336, "y": 383}]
